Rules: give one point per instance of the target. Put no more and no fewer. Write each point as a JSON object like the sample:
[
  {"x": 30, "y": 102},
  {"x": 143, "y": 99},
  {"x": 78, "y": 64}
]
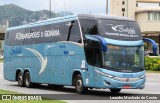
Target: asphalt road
[{"x": 93, "y": 96}]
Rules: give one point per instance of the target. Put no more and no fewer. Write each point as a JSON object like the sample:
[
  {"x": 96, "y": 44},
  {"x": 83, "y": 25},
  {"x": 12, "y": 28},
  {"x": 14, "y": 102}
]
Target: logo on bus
[
  {"x": 122, "y": 28},
  {"x": 42, "y": 59},
  {"x": 68, "y": 52},
  {"x": 127, "y": 79},
  {"x": 15, "y": 51}
]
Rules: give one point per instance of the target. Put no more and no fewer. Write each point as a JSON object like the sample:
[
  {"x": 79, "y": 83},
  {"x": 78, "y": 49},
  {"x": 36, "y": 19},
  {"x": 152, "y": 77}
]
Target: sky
[{"x": 75, "y": 6}]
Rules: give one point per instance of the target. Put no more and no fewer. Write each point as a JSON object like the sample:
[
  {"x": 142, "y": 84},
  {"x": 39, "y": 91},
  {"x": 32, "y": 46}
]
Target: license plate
[{"x": 126, "y": 86}]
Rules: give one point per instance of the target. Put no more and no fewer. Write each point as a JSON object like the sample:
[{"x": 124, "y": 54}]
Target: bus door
[{"x": 93, "y": 57}]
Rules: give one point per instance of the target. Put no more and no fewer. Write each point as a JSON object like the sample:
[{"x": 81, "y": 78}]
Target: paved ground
[{"x": 152, "y": 87}]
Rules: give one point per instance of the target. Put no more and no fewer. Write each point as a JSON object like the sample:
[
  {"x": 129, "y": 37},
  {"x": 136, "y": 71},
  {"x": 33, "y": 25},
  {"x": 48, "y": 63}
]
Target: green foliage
[
  {"x": 152, "y": 63},
  {"x": 11, "y": 11},
  {"x": 16, "y": 15}
]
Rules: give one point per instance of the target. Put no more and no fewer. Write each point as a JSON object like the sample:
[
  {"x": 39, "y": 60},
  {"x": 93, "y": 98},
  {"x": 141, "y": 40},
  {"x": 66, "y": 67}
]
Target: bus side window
[
  {"x": 92, "y": 48},
  {"x": 93, "y": 53},
  {"x": 75, "y": 34},
  {"x": 63, "y": 29},
  {"x": 7, "y": 37},
  {"x": 89, "y": 27},
  {"x": 28, "y": 41},
  {"x": 12, "y": 39}
]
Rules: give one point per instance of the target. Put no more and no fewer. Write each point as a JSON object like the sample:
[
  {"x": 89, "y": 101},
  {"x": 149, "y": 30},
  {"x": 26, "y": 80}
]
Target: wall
[
  {"x": 129, "y": 6},
  {"x": 146, "y": 25}
]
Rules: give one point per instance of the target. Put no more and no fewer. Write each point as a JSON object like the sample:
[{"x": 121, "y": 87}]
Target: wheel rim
[
  {"x": 79, "y": 85},
  {"x": 20, "y": 79}
]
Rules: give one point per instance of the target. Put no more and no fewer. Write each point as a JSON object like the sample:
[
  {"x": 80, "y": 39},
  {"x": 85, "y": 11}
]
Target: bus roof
[
  {"x": 69, "y": 18},
  {"x": 97, "y": 16},
  {"x": 45, "y": 22}
]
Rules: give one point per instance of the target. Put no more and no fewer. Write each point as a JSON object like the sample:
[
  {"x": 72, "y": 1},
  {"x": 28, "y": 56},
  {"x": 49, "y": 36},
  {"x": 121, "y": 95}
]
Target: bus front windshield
[{"x": 124, "y": 59}]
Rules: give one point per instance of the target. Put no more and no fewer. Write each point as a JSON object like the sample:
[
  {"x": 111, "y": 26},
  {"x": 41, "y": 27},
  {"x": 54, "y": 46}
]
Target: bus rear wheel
[
  {"x": 27, "y": 80},
  {"x": 20, "y": 79},
  {"x": 115, "y": 90},
  {"x": 80, "y": 89}
]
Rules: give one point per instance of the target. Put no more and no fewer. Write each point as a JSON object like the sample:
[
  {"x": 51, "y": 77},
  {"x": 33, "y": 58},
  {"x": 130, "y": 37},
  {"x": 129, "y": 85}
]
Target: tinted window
[
  {"x": 39, "y": 34},
  {"x": 89, "y": 27},
  {"x": 64, "y": 30},
  {"x": 10, "y": 40},
  {"x": 75, "y": 35},
  {"x": 120, "y": 30},
  {"x": 6, "y": 36},
  {"x": 124, "y": 59},
  {"x": 93, "y": 53}
]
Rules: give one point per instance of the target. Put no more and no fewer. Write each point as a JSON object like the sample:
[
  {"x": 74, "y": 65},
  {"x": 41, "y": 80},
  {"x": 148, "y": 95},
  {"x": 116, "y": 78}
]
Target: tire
[
  {"x": 115, "y": 90},
  {"x": 20, "y": 79},
  {"x": 80, "y": 89},
  {"x": 27, "y": 80}
]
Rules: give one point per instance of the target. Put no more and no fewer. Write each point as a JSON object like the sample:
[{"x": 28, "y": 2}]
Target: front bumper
[{"x": 112, "y": 83}]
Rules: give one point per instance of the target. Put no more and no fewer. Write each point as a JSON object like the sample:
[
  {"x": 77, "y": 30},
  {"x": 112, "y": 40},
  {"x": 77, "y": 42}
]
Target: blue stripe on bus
[
  {"x": 124, "y": 43},
  {"x": 46, "y": 22}
]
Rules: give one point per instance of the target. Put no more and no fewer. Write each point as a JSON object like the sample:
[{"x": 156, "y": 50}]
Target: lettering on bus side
[
  {"x": 128, "y": 75},
  {"x": 47, "y": 33},
  {"x": 62, "y": 46}
]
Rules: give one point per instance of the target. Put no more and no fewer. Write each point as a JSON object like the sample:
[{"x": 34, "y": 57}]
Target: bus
[{"x": 84, "y": 50}]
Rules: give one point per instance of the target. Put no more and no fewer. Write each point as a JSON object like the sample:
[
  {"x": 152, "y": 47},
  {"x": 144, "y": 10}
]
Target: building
[
  {"x": 148, "y": 17},
  {"x": 2, "y": 33}
]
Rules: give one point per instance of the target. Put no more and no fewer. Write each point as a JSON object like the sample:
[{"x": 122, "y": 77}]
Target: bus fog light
[{"x": 142, "y": 77}]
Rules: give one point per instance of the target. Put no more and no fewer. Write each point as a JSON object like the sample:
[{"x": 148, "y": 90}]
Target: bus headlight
[{"x": 104, "y": 74}]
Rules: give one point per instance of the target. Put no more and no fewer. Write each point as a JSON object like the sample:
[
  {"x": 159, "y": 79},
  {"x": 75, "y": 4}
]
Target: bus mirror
[
  {"x": 154, "y": 44},
  {"x": 70, "y": 23},
  {"x": 103, "y": 43}
]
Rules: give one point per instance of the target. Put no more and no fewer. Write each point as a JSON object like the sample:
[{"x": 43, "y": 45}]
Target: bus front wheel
[
  {"x": 79, "y": 85},
  {"x": 115, "y": 90},
  {"x": 20, "y": 79},
  {"x": 27, "y": 80}
]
